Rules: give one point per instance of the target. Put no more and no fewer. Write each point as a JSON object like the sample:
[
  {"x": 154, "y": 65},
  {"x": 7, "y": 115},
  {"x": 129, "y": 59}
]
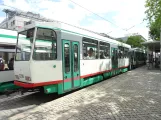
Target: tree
[
  {"x": 154, "y": 31},
  {"x": 135, "y": 41},
  {"x": 153, "y": 13}
]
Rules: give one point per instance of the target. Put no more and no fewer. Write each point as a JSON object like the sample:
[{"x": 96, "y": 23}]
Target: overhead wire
[
  {"x": 96, "y": 14},
  {"x": 92, "y": 13},
  {"x": 104, "y": 18}
]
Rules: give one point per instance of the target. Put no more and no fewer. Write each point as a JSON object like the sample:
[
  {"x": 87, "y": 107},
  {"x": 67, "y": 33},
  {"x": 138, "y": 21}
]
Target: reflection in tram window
[
  {"x": 25, "y": 41},
  {"x": 67, "y": 57},
  {"x": 75, "y": 58},
  {"x": 45, "y": 45}
]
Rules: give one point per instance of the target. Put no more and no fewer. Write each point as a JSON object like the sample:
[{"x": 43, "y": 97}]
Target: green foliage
[
  {"x": 154, "y": 31},
  {"x": 135, "y": 41},
  {"x": 153, "y": 13}
]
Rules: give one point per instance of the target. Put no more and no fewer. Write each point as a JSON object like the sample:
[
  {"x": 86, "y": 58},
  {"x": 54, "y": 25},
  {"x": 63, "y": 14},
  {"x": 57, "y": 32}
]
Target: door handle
[
  {"x": 77, "y": 74},
  {"x": 65, "y": 77}
]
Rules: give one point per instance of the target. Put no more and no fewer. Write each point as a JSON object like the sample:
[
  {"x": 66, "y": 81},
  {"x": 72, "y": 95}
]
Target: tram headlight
[
  {"x": 27, "y": 78},
  {"x": 17, "y": 77}
]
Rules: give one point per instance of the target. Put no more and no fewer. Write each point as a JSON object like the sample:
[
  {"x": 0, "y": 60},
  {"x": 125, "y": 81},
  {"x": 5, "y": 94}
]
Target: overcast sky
[{"x": 123, "y": 13}]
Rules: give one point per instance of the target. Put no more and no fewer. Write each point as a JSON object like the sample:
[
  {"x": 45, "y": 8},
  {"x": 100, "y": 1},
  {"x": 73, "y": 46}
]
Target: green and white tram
[
  {"x": 137, "y": 57},
  {"x": 57, "y": 58},
  {"x": 7, "y": 51}
]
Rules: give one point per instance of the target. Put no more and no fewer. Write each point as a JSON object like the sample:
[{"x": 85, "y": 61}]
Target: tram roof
[
  {"x": 8, "y": 50},
  {"x": 152, "y": 45},
  {"x": 74, "y": 30},
  {"x": 8, "y": 37},
  {"x": 137, "y": 49}
]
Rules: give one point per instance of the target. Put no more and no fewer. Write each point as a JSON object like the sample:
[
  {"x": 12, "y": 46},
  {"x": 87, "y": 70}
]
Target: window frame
[
  {"x": 17, "y": 43},
  {"x": 75, "y": 70},
  {"x": 84, "y": 38},
  {"x": 108, "y": 49},
  {"x": 120, "y": 48},
  {"x": 126, "y": 50},
  {"x": 35, "y": 42}
]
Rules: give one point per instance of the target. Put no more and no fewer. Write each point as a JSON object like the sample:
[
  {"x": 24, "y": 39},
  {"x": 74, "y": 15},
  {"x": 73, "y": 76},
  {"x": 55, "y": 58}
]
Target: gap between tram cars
[{"x": 58, "y": 58}]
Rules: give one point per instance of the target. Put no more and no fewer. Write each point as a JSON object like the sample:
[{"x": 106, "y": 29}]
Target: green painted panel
[
  {"x": 60, "y": 88},
  {"x": 51, "y": 89},
  {"x": 92, "y": 80},
  {"x": 77, "y": 82},
  {"x": 67, "y": 85},
  {"x": 8, "y": 36},
  {"x": 124, "y": 69},
  {"x": 8, "y": 86},
  {"x": 106, "y": 75},
  {"x": 100, "y": 78},
  {"x": 111, "y": 73},
  {"x": 82, "y": 82}
]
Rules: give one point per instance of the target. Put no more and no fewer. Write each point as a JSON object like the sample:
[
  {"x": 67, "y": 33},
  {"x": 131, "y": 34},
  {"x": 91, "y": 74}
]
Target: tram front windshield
[
  {"x": 24, "y": 45},
  {"x": 45, "y": 45}
]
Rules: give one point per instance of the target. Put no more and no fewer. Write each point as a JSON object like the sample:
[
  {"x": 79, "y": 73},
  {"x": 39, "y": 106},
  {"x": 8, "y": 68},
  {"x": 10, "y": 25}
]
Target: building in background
[
  {"x": 16, "y": 19},
  {"x": 8, "y": 28}
]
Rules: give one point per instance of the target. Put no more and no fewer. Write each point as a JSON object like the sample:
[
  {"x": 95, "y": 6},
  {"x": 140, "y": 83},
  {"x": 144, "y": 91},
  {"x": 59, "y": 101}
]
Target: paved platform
[
  {"x": 135, "y": 95},
  {"x": 17, "y": 103}
]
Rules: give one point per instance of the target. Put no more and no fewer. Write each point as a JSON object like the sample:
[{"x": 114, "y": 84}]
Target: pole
[
  {"x": 147, "y": 62},
  {"x": 160, "y": 48},
  {"x": 7, "y": 20}
]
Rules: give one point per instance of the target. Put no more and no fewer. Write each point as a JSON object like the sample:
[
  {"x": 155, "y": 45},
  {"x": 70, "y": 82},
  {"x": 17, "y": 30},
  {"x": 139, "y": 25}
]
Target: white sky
[{"x": 123, "y": 13}]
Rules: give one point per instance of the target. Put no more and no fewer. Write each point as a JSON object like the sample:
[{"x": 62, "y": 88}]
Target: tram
[
  {"x": 7, "y": 50},
  {"x": 56, "y": 57},
  {"x": 137, "y": 57}
]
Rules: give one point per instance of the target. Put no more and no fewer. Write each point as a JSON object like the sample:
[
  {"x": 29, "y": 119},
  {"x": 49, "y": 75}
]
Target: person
[
  {"x": 90, "y": 54},
  {"x": 11, "y": 64},
  {"x": 2, "y": 65},
  {"x": 102, "y": 55}
]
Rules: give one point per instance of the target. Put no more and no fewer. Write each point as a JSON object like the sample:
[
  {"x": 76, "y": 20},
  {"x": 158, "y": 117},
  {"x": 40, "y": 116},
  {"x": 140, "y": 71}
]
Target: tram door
[
  {"x": 71, "y": 64},
  {"x": 114, "y": 58}
]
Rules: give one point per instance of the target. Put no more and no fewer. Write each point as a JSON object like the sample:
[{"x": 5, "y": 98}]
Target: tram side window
[
  {"x": 45, "y": 45},
  {"x": 90, "y": 49},
  {"x": 2, "y": 64},
  {"x": 75, "y": 58},
  {"x": 24, "y": 45},
  {"x": 67, "y": 57},
  {"x": 121, "y": 52},
  {"x": 104, "y": 50},
  {"x": 126, "y": 52}
]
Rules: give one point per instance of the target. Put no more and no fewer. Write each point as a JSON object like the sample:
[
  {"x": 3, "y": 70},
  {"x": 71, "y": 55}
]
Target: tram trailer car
[
  {"x": 8, "y": 40},
  {"x": 137, "y": 57},
  {"x": 58, "y": 58}
]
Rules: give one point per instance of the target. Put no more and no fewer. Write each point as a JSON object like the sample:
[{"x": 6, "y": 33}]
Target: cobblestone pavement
[
  {"x": 135, "y": 95},
  {"x": 17, "y": 103}
]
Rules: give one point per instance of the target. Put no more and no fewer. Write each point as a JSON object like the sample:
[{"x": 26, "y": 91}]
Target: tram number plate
[{"x": 21, "y": 76}]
